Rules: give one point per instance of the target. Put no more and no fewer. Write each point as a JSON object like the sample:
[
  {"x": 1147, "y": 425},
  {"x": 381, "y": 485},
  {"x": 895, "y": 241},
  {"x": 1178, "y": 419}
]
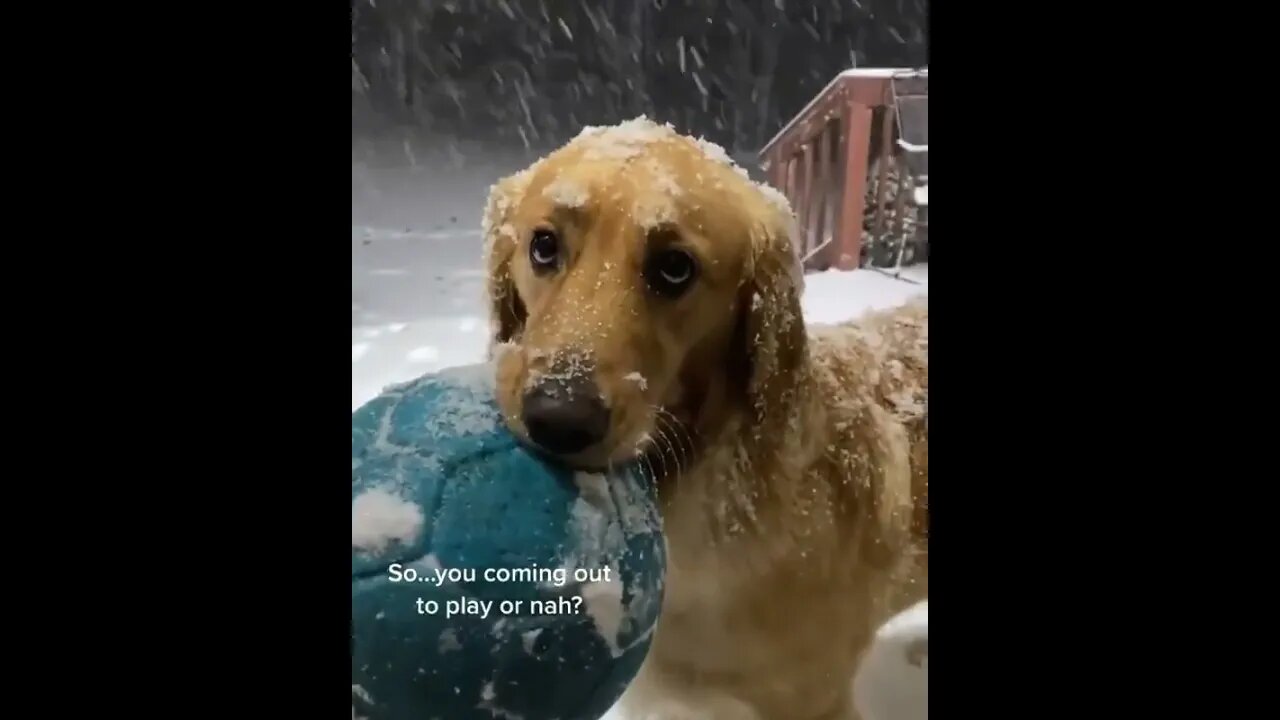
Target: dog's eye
[
  {"x": 544, "y": 250},
  {"x": 670, "y": 272}
]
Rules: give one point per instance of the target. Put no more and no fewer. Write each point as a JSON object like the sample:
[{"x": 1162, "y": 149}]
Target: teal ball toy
[{"x": 487, "y": 581}]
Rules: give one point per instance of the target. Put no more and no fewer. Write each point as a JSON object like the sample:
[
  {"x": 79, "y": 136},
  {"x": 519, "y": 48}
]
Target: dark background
[{"x": 530, "y": 73}]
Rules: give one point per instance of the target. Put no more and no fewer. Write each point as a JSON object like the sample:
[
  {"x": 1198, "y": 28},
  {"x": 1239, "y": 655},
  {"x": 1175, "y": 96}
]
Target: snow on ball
[{"x": 450, "y": 518}]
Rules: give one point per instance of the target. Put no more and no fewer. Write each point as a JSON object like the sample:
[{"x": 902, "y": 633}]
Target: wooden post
[
  {"x": 777, "y": 171},
  {"x": 789, "y": 186},
  {"x": 857, "y": 145},
  {"x": 822, "y": 223},
  {"x": 804, "y": 198},
  {"x": 886, "y": 156}
]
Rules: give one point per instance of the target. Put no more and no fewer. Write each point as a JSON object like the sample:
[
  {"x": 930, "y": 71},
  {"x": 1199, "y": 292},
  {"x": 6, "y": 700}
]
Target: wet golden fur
[{"x": 795, "y": 460}]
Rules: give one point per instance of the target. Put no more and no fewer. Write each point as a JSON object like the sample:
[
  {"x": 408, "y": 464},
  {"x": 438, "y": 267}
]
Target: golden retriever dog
[{"x": 645, "y": 299}]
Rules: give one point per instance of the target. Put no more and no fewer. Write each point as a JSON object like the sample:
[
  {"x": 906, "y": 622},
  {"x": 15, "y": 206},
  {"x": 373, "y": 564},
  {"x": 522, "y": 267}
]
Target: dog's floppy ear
[
  {"x": 506, "y": 311},
  {"x": 772, "y": 330}
]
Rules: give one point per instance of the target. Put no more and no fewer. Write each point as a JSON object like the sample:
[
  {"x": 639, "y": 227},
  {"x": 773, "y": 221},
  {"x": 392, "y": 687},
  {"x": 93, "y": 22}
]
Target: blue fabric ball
[{"x": 444, "y": 499}]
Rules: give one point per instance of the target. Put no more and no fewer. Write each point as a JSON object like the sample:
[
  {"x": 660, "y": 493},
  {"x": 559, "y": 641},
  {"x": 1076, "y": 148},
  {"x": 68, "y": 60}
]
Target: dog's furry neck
[
  {"x": 731, "y": 482},
  {"x": 835, "y": 443}
]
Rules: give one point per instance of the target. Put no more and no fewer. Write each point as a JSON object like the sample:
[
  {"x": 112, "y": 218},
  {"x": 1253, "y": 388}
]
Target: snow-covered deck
[{"x": 900, "y": 72}]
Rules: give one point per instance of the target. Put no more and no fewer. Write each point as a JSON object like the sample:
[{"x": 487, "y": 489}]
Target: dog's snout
[{"x": 565, "y": 417}]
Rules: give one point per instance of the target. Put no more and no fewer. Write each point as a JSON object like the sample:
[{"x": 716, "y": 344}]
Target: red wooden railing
[{"x": 820, "y": 159}]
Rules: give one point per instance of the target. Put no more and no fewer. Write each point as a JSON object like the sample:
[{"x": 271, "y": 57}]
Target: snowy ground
[{"x": 417, "y": 305}]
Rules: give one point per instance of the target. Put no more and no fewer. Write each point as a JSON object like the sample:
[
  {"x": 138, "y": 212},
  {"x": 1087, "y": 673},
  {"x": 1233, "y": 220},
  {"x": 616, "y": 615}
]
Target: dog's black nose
[{"x": 565, "y": 416}]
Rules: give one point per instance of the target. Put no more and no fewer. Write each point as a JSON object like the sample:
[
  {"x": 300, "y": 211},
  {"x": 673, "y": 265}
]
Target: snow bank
[
  {"x": 892, "y": 682},
  {"x": 835, "y": 296}
]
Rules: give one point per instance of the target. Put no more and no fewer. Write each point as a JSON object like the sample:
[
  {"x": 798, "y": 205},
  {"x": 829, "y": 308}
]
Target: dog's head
[{"x": 643, "y": 291}]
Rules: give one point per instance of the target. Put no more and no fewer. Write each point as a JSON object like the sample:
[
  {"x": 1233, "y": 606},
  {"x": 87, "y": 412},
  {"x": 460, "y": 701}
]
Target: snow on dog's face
[{"x": 642, "y": 289}]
